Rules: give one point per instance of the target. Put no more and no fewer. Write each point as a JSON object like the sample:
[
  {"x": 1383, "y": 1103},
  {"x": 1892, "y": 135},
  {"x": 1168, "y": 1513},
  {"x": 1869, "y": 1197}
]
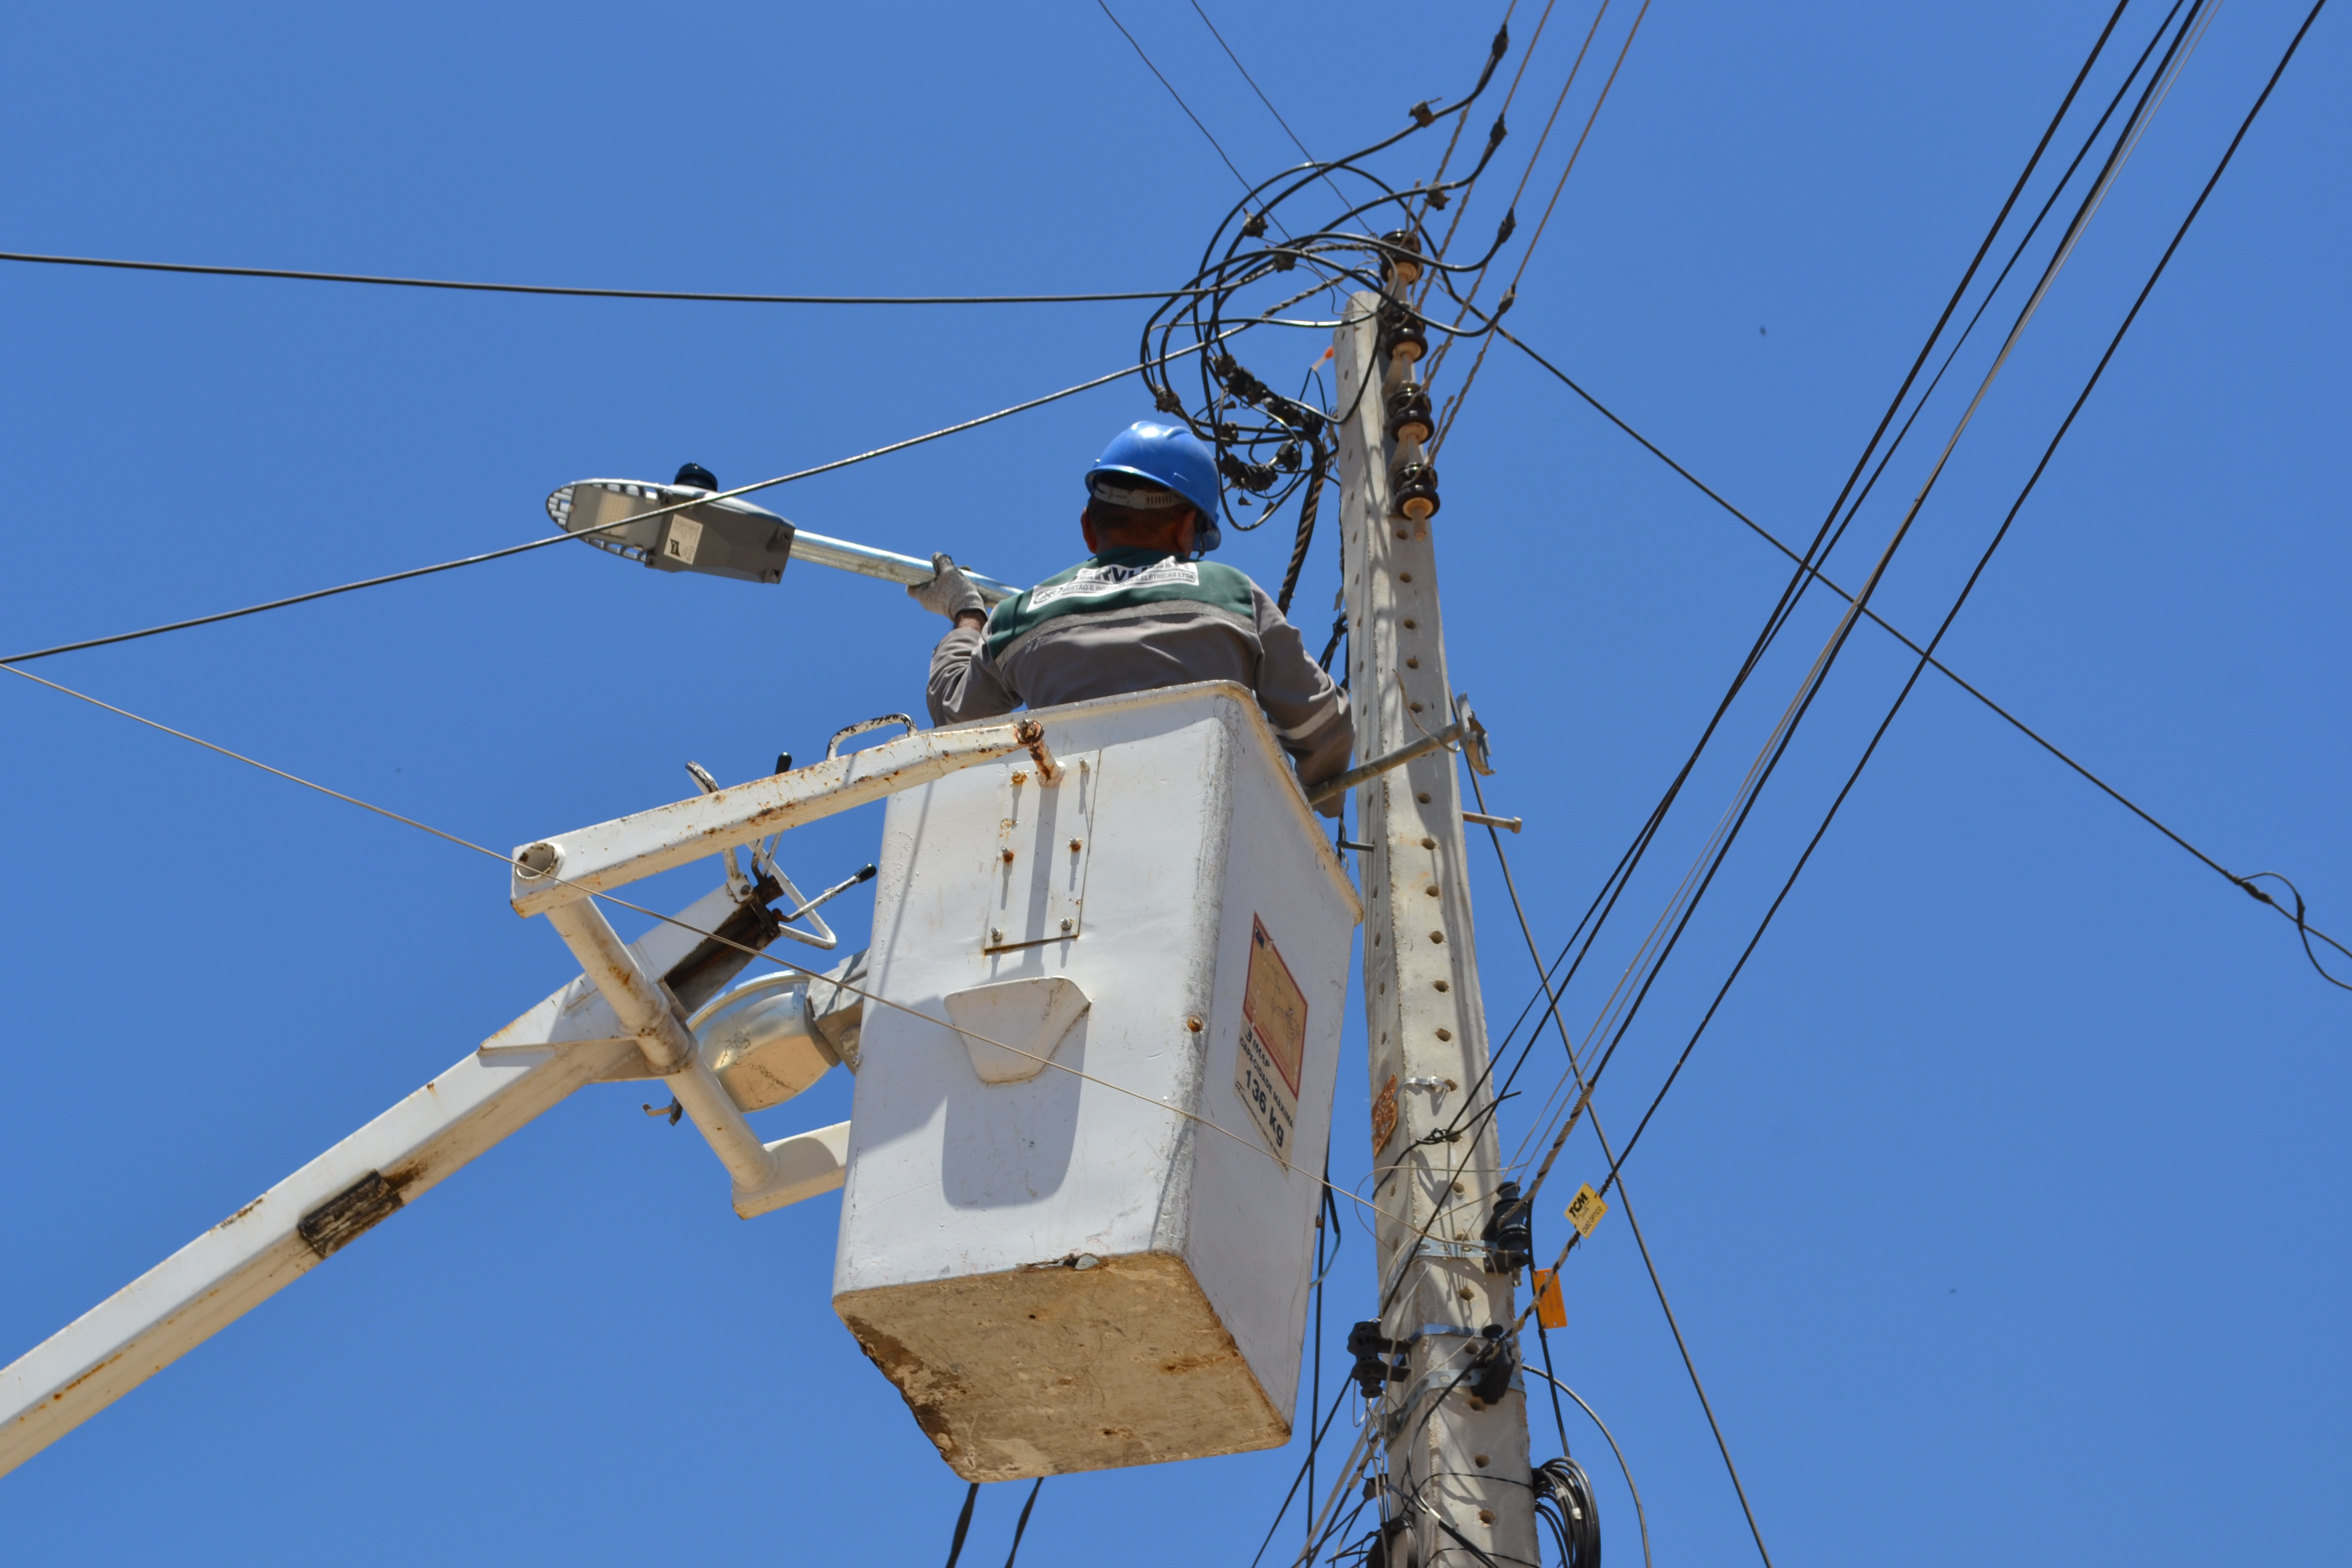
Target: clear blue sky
[{"x": 2002, "y": 1204}]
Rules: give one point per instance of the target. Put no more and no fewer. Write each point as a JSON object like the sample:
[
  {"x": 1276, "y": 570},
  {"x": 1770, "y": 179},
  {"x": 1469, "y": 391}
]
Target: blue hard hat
[{"x": 1171, "y": 456}]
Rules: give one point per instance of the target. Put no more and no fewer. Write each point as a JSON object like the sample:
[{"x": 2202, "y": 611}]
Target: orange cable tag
[{"x": 1552, "y": 1311}]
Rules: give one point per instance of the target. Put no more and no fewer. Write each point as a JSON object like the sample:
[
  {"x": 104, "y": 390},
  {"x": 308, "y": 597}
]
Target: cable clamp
[
  {"x": 1453, "y": 1251},
  {"x": 1446, "y": 1330}
]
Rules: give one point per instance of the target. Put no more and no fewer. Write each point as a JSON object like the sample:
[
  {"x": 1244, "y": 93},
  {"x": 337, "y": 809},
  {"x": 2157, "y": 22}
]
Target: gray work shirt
[{"x": 1076, "y": 653}]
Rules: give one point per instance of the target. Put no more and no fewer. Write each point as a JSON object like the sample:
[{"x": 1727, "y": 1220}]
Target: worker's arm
[
  {"x": 1309, "y": 712},
  {"x": 965, "y": 682}
]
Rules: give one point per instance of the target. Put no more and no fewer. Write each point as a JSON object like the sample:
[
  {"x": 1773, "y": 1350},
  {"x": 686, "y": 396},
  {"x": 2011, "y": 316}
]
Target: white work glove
[{"x": 948, "y": 594}]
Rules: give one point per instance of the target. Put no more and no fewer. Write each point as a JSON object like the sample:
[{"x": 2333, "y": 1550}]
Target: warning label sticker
[
  {"x": 685, "y": 539},
  {"x": 1273, "y": 1043}
]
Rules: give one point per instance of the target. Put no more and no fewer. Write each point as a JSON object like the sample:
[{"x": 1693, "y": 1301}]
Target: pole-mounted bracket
[{"x": 1465, "y": 730}]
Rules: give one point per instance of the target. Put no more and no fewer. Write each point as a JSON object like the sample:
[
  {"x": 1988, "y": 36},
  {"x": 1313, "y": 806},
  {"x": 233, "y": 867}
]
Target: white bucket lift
[
  {"x": 1059, "y": 1272},
  {"x": 1071, "y": 1273}
]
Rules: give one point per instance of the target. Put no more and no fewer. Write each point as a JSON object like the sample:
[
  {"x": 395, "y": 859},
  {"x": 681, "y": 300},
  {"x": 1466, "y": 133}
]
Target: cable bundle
[
  {"x": 1564, "y": 1503},
  {"x": 1271, "y": 446}
]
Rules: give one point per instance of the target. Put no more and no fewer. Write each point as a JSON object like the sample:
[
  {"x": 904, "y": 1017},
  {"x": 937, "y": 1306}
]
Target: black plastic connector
[
  {"x": 1509, "y": 1234},
  {"x": 1257, "y": 477},
  {"x": 1372, "y": 1371},
  {"x": 1491, "y": 1380}
]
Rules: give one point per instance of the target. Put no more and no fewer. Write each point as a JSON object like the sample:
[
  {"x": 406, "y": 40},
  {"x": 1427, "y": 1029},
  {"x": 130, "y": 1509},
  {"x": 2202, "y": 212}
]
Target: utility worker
[{"x": 1142, "y": 611}]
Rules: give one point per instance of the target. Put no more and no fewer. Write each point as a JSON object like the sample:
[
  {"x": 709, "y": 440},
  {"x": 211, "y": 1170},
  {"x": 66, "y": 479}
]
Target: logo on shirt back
[{"x": 1097, "y": 582}]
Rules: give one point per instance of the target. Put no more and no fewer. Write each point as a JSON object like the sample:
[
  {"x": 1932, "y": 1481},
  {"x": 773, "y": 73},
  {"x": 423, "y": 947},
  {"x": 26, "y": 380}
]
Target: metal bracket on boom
[
  {"x": 558, "y": 872},
  {"x": 555, "y": 876},
  {"x": 568, "y": 1041}
]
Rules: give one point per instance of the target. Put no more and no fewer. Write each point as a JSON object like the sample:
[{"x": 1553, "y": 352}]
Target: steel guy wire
[
  {"x": 1446, "y": 1188},
  {"x": 688, "y": 927},
  {"x": 1445, "y": 158},
  {"x": 1855, "y": 507},
  {"x": 1320, "y": 1524},
  {"x": 1658, "y": 1283},
  {"x": 1984, "y": 560},
  {"x": 381, "y": 280},
  {"x": 1439, "y": 1519},
  {"x": 1706, "y": 1405},
  {"x": 1527, "y": 173},
  {"x": 1804, "y": 566},
  {"x": 2089, "y": 385}
]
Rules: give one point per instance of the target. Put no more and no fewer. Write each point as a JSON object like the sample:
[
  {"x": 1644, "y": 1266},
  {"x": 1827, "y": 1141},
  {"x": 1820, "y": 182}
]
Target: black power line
[
  {"x": 2244, "y": 883},
  {"x": 1178, "y": 96},
  {"x": 962, "y": 1525},
  {"x": 475, "y": 287},
  {"x": 561, "y": 538},
  {"x": 1620, "y": 877},
  {"x": 1021, "y": 1525},
  {"x": 1968, "y": 587},
  {"x": 1535, "y": 956},
  {"x": 1777, "y": 749},
  {"x": 1254, "y": 87}
]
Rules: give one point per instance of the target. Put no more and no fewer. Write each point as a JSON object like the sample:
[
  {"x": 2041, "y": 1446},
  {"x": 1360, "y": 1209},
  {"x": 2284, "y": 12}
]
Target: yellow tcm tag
[{"x": 1584, "y": 1210}]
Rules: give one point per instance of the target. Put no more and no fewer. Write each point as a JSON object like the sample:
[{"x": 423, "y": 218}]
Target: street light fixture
[{"x": 728, "y": 537}]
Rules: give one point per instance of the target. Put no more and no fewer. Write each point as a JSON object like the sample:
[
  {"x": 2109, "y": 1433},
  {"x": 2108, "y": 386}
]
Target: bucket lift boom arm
[{"x": 615, "y": 1021}]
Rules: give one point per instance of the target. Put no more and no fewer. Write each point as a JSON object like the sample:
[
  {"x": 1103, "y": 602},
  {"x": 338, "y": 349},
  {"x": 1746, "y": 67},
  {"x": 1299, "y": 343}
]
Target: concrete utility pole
[{"x": 1456, "y": 1426}]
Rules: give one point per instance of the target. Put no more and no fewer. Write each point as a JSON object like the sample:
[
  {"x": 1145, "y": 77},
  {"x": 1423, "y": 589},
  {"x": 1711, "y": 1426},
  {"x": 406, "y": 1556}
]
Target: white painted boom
[
  {"x": 570, "y": 1039},
  {"x": 283, "y": 1234}
]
